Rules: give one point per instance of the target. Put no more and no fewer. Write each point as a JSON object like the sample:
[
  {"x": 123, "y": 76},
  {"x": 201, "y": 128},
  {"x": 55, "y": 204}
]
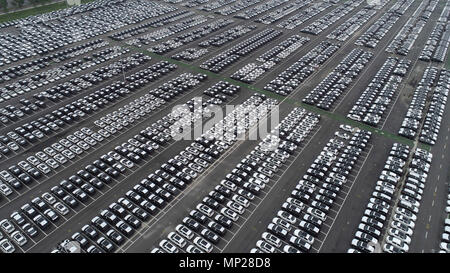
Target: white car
[
  {"x": 49, "y": 198},
  {"x": 5, "y": 190},
  {"x": 176, "y": 239},
  {"x": 272, "y": 239},
  {"x": 266, "y": 247},
  {"x": 398, "y": 243},
  {"x": 362, "y": 245},
  {"x": 193, "y": 249},
  {"x": 6, "y": 226},
  {"x": 406, "y": 213},
  {"x": 286, "y": 216},
  {"x": 304, "y": 235},
  {"x": 205, "y": 209},
  {"x": 261, "y": 177},
  {"x": 6, "y": 246},
  {"x": 290, "y": 249},
  {"x": 61, "y": 208},
  {"x": 365, "y": 237},
  {"x": 19, "y": 238},
  {"x": 405, "y": 220},
  {"x": 230, "y": 213},
  {"x": 257, "y": 182},
  {"x": 236, "y": 207},
  {"x": 203, "y": 244},
  {"x": 400, "y": 234},
  {"x": 402, "y": 227},
  {"x": 409, "y": 199},
  {"x": 347, "y": 128},
  {"x": 445, "y": 246},
  {"x": 373, "y": 222},
  {"x": 282, "y": 223},
  {"x": 241, "y": 200},
  {"x": 185, "y": 231},
  {"x": 168, "y": 246},
  {"x": 389, "y": 248}
]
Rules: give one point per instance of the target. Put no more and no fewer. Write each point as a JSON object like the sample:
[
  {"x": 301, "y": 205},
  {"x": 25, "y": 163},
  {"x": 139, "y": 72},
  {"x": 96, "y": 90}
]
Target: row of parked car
[
  {"x": 190, "y": 54},
  {"x": 232, "y": 197},
  {"x": 39, "y": 215},
  {"x": 191, "y": 36},
  {"x": 235, "y": 6},
  {"x": 79, "y": 84},
  {"x": 381, "y": 27},
  {"x": 232, "y": 55},
  {"x": 406, "y": 37},
  {"x": 215, "y": 4},
  {"x": 331, "y": 17},
  {"x": 445, "y": 238},
  {"x": 436, "y": 109},
  {"x": 227, "y": 36},
  {"x": 79, "y": 187},
  {"x": 438, "y": 42},
  {"x": 43, "y": 34},
  {"x": 158, "y": 22},
  {"x": 418, "y": 169},
  {"x": 27, "y": 67},
  {"x": 134, "y": 110},
  {"x": 288, "y": 80},
  {"x": 250, "y": 72},
  {"x": 164, "y": 32},
  {"x": 53, "y": 14},
  {"x": 304, "y": 15},
  {"x": 192, "y": 3},
  {"x": 380, "y": 93},
  {"x": 48, "y": 160},
  {"x": 119, "y": 221},
  {"x": 393, "y": 206},
  {"x": 57, "y": 154},
  {"x": 412, "y": 122},
  {"x": 54, "y": 74},
  {"x": 154, "y": 192},
  {"x": 298, "y": 224},
  {"x": 283, "y": 49},
  {"x": 281, "y": 12},
  {"x": 260, "y": 9},
  {"x": 95, "y": 177},
  {"x": 328, "y": 91},
  {"x": 35, "y": 130},
  {"x": 349, "y": 27}
]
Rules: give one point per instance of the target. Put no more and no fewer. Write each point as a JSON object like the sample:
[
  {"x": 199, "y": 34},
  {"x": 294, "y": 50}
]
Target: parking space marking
[
  {"x": 346, "y": 196},
  {"x": 199, "y": 179},
  {"x": 317, "y": 129},
  {"x": 112, "y": 137}
]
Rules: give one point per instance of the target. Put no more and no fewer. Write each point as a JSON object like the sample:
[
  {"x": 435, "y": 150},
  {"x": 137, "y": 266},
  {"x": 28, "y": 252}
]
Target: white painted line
[
  {"x": 351, "y": 186},
  {"x": 273, "y": 187}
]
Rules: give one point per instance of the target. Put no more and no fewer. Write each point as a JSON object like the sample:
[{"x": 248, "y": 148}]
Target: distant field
[{"x": 37, "y": 10}]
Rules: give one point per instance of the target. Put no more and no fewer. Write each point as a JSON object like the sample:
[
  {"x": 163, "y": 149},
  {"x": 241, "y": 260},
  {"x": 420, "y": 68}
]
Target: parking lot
[{"x": 99, "y": 103}]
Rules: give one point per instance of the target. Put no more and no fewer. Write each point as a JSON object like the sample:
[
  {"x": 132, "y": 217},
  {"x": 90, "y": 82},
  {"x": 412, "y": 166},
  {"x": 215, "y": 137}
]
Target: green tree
[
  {"x": 4, "y": 5},
  {"x": 42, "y": 1},
  {"x": 19, "y": 3}
]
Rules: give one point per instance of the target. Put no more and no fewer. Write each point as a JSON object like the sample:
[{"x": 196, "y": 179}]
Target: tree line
[{"x": 6, "y": 5}]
